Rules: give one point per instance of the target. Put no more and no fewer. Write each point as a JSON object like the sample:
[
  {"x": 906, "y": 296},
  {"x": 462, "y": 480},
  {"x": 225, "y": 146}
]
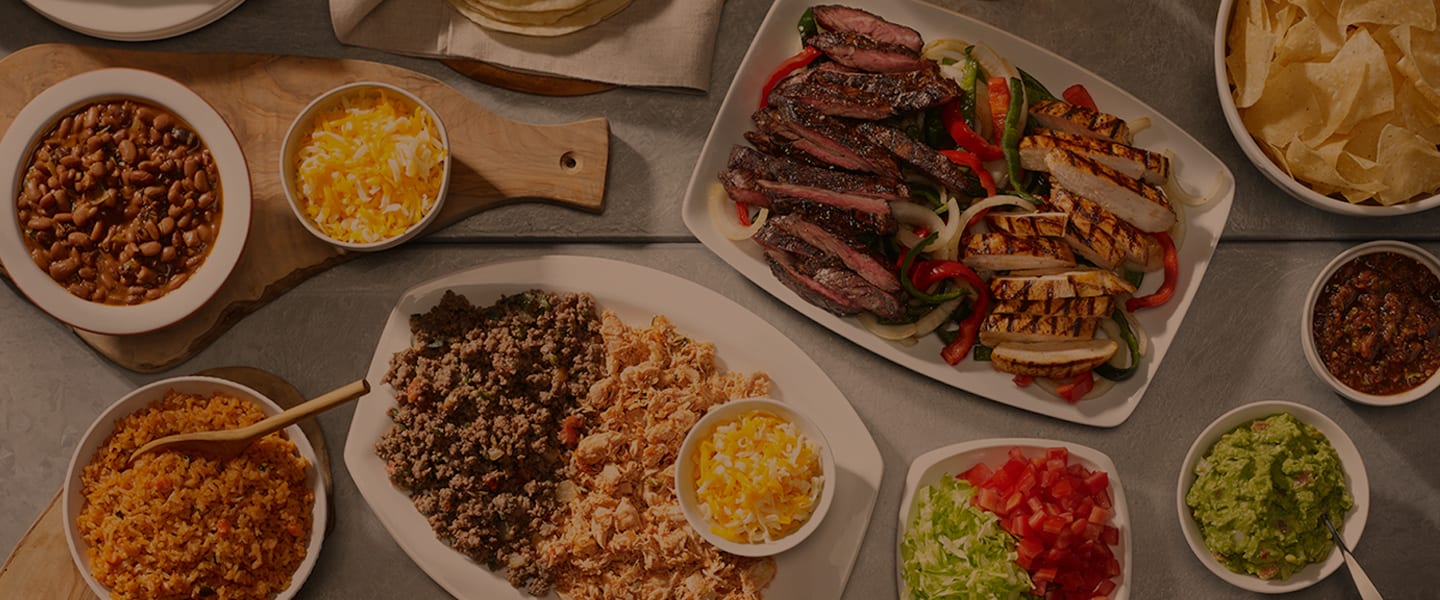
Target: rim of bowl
[
  {"x": 1267, "y": 167},
  {"x": 1307, "y": 323},
  {"x": 113, "y": 83},
  {"x": 685, "y": 466},
  {"x": 1356, "y": 480},
  {"x": 290, "y": 145},
  {"x": 94, "y": 437},
  {"x": 925, "y": 464}
]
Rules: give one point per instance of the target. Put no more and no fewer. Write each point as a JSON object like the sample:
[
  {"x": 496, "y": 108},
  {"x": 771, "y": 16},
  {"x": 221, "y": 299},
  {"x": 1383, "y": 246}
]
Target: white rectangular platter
[
  {"x": 1196, "y": 168},
  {"x": 817, "y": 568}
]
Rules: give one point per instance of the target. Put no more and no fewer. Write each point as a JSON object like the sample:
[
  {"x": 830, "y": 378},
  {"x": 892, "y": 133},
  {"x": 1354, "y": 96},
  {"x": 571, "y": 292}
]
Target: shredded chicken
[{"x": 624, "y": 536}]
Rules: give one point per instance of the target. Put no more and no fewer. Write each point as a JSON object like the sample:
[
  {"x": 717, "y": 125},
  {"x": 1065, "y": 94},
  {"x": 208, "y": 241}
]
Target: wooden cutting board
[
  {"x": 41, "y": 566},
  {"x": 496, "y": 160},
  {"x": 521, "y": 81}
]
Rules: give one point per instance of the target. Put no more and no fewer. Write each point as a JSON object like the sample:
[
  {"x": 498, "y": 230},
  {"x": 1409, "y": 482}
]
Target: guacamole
[{"x": 1259, "y": 493}]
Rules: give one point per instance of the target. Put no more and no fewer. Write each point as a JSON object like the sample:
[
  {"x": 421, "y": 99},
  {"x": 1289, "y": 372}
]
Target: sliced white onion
[
  {"x": 992, "y": 202},
  {"x": 949, "y": 239},
  {"x": 1175, "y": 190},
  {"x": 1139, "y": 124},
  {"x": 936, "y": 317},
  {"x": 914, "y": 215},
  {"x": 1121, "y": 358},
  {"x": 725, "y": 220},
  {"x": 893, "y": 333}
]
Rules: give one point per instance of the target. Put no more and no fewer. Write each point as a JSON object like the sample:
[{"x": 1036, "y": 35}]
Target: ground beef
[{"x": 487, "y": 400}]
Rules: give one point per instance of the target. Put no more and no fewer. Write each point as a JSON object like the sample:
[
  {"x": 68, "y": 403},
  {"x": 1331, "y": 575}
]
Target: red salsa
[{"x": 1377, "y": 323}]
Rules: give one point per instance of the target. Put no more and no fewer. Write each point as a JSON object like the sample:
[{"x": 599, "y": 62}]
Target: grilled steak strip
[
  {"x": 858, "y": 51},
  {"x": 785, "y": 267},
  {"x": 922, "y": 157},
  {"x": 826, "y": 138},
  {"x": 843, "y": 247},
  {"x": 783, "y": 170},
  {"x": 807, "y": 201},
  {"x": 844, "y": 18},
  {"x": 869, "y": 96},
  {"x": 824, "y": 282}
]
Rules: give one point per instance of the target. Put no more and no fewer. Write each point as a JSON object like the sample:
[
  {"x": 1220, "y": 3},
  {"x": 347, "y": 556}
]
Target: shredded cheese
[
  {"x": 371, "y": 168},
  {"x": 758, "y": 478}
]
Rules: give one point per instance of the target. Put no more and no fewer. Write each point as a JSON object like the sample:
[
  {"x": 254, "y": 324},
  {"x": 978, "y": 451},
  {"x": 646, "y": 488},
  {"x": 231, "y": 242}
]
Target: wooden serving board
[
  {"x": 41, "y": 566},
  {"x": 521, "y": 81},
  {"x": 495, "y": 160}
]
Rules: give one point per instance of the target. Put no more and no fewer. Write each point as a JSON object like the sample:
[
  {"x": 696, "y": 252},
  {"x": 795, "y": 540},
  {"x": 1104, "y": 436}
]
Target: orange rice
[{"x": 178, "y": 525}]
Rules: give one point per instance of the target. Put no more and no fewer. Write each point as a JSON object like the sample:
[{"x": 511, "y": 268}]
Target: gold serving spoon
[{"x": 229, "y": 443}]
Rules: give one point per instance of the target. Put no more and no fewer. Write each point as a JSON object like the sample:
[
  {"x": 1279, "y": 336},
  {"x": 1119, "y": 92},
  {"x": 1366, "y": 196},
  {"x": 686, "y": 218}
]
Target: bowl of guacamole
[{"x": 1253, "y": 488}]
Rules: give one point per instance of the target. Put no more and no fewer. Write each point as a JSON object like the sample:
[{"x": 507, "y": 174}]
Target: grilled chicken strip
[
  {"x": 1151, "y": 167},
  {"x": 1061, "y": 116},
  {"x": 1139, "y": 203},
  {"x": 1000, "y": 328},
  {"x": 1088, "y": 307},
  {"x": 1095, "y": 232},
  {"x": 1034, "y": 224},
  {"x": 1004, "y": 252},
  {"x": 1077, "y": 283},
  {"x": 1056, "y": 360}
]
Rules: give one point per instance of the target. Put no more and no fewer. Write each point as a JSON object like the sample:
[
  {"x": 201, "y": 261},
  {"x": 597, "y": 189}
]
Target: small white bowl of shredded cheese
[
  {"x": 366, "y": 166},
  {"x": 754, "y": 477}
]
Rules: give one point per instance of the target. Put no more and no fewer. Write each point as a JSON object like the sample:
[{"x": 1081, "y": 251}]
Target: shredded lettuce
[{"x": 953, "y": 549}]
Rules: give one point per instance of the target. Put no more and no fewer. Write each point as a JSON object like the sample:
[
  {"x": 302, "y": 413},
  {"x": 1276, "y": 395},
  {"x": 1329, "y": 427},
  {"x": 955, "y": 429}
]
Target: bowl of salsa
[{"x": 1371, "y": 326}]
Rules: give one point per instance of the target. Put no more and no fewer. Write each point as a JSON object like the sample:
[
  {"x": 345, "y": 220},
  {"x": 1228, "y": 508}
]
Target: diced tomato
[
  {"x": 977, "y": 475},
  {"x": 1060, "y": 512}
]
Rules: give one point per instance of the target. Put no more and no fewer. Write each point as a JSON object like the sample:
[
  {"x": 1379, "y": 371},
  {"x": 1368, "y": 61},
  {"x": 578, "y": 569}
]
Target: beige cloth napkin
[{"x": 651, "y": 43}]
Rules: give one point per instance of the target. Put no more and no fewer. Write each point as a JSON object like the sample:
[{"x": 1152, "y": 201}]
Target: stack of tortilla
[{"x": 541, "y": 18}]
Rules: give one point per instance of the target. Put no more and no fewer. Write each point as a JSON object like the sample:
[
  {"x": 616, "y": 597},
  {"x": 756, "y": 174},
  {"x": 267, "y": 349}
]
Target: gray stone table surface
[
  {"x": 1239, "y": 344},
  {"x": 1159, "y": 50}
]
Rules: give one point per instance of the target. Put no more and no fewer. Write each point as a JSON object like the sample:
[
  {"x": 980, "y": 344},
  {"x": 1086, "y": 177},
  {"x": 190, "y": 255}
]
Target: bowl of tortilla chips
[{"x": 1336, "y": 102}]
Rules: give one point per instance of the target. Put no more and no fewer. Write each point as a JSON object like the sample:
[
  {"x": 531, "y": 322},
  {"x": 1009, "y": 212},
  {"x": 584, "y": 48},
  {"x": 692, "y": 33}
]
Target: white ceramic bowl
[
  {"x": 1274, "y": 172},
  {"x": 685, "y": 474},
  {"x": 1355, "y": 480},
  {"x": 1307, "y": 337},
  {"x": 104, "y": 425},
  {"x": 955, "y": 459},
  {"x": 52, "y": 104},
  {"x": 301, "y": 127}
]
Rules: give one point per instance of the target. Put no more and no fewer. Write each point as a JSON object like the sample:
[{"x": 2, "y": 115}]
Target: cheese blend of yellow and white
[
  {"x": 371, "y": 167},
  {"x": 758, "y": 478}
]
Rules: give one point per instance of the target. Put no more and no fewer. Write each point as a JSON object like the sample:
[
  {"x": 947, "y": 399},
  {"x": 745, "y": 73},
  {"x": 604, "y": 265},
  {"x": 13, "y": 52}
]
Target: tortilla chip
[
  {"x": 1300, "y": 44},
  {"x": 1414, "y": 112},
  {"x": 1316, "y": 165},
  {"x": 1288, "y": 107},
  {"x": 1251, "y": 47},
  {"x": 1362, "y": 177},
  {"x": 1418, "y": 13},
  {"x": 1362, "y": 53},
  {"x": 1411, "y": 163}
]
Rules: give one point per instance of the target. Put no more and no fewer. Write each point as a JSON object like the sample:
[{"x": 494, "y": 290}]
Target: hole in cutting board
[{"x": 569, "y": 162}]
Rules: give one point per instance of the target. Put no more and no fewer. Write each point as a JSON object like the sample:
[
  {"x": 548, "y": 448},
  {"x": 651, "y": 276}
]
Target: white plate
[
  {"x": 134, "y": 20},
  {"x": 1355, "y": 479},
  {"x": 817, "y": 568},
  {"x": 39, "y": 115},
  {"x": 953, "y": 460},
  {"x": 1196, "y": 168}
]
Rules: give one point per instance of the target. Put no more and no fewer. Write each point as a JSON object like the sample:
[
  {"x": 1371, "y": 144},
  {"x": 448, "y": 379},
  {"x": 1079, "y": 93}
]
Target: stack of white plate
[{"x": 135, "y": 20}]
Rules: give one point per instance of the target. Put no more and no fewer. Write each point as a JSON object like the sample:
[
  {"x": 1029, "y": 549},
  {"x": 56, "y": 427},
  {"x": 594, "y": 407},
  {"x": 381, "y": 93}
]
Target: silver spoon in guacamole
[{"x": 1362, "y": 582}]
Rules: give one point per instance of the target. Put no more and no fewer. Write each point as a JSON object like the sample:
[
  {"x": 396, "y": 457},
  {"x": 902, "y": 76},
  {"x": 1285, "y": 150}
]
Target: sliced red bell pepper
[
  {"x": 972, "y": 162},
  {"x": 965, "y": 136},
  {"x": 788, "y": 66},
  {"x": 1022, "y": 380},
  {"x": 742, "y": 210},
  {"x": 999, "y": 105},
  {"x": 1079, "y": 96},
  {"x": 1075, "y": 388},
  {"x": 930, "y": 272},
  {"x": 1172, "y": 277}
]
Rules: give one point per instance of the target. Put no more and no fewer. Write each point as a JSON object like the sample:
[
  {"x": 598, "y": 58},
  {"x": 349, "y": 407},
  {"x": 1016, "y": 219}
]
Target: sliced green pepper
[
  {"x": 1010, "y": 141},
  {"x": 1034, "y": 89},
  {"x": 807, "y": 26}
]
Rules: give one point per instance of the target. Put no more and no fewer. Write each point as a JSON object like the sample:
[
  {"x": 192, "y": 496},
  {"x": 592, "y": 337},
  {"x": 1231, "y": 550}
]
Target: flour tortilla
[
  {"x": 539, "y": 24},
  {"x": 540, "y": 6}
]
